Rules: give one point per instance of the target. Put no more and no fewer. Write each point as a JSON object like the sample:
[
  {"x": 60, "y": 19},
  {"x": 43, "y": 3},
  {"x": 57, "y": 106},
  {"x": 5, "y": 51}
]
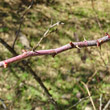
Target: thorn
[
  {"x": 53, "y": 55},
  {"x": 98, "y": 43},
  {"x": 108, "y": 35},
  {"x": 24, "y": 51},
  {"x": 78, "y": 47},
  {"x": 84, "y": 38},
  {"x": 86, "y": 43},
  {"x": 5, "y": 64},
  {"x": 34, "y": 49},
  {"x": 72, "y": 45}
]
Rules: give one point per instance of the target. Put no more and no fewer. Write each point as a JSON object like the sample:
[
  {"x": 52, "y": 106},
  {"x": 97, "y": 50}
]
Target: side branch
[{"x": 53, "y": 52}]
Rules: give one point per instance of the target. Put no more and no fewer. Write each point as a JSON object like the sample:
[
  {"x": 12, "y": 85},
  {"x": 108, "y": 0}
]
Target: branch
[
  {"x": 54, "y": 52},
  {"x": 80, "y": 100},
  {"x": 100, "y": 100},
  {"x": 106, "y": 106},
  {"x": 31, "y": 71},
  {"x": 89, "y": 94},
  {"x": 21, "y": 22},
  {"x": 46, "y": 32}
]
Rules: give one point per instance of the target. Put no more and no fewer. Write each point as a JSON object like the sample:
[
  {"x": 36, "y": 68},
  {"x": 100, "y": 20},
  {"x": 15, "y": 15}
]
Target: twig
[
  {"x": 100, "y": 53},
  {"x": 21, "y": 21},
  {"x": 100, "y": 100},
  {"x": 3, "y": 104},
  {"x": 45, "y": 34},
  {"x": 89, "y": 95},
  {"x": 80, "y": 100},
  {"x": 96, "y": 16},
  {"x": 90, "y": 78},
  {"x": 32, "y": 1},
  {"x": 106, "y": 106},
  {"x": 54, "y": 52},
  {"x": 100, "y": 26},
  {"x": 31, "y": 71},
  {"x": 17, "y": 33}
]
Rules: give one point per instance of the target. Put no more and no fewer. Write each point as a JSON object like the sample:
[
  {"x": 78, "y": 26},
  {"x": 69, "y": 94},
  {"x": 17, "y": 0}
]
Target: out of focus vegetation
[{"x": 62, "y": 75}]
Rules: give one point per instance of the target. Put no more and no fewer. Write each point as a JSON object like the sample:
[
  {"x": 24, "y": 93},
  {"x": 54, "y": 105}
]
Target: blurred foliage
[{"x": 63, "y": 74}]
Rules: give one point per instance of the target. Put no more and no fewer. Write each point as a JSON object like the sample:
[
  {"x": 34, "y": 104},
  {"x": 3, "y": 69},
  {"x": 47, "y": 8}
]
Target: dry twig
[
  {"x": 20, "y": 24},
  {"x": 45, "y": 34},
  {"x": 96, "y": 15},
  {"x": 106, "y": 106},
  {"x": 89, "y": 95},
  {"x": 100, "y": 100},
  {"x": 81, "y": 100},
  {"x": 90, "y": 78}
]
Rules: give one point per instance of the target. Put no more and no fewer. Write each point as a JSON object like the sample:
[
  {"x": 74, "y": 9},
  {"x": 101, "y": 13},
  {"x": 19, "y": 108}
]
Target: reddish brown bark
[{"x": 53, "y": 52}]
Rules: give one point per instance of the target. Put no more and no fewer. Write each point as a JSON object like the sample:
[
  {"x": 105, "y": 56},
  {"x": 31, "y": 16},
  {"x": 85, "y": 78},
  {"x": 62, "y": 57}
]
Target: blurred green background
[{"x": 62, "y": 75}]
